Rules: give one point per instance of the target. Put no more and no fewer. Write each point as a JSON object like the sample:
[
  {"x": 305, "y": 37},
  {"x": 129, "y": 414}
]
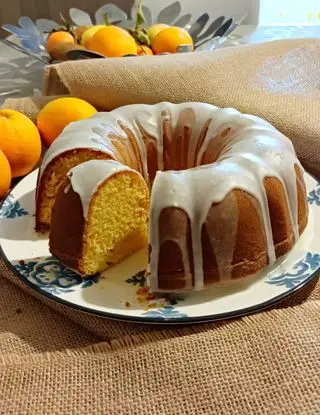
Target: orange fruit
[
  {"x": 113, "y": 41},
  {"x": 169, "y": 39},
  {"x": 79, "y": 32},
  {"x": 5, "y": 176},
  {"x": 20, "y": 141},
  {"x": 87, "y": 35},
  {"x": 57, "y": 114},
  {"x": 144, "y": 50},
  {"x": 56, "y": 38},
  {"x": 155, "y": 29}
]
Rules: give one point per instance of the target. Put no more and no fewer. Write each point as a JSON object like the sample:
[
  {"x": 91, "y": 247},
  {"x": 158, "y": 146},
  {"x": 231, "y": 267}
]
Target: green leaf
[
  {"x": 106, "y": 19},
  {"x": 140, "y": 36},
  {"x": 140, "y": 16}
]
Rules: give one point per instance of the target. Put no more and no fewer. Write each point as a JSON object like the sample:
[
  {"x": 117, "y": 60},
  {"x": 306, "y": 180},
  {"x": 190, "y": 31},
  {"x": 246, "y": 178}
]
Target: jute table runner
[
  {"x": 60, "y": 361},
  {"x": 266, "y": 363}
]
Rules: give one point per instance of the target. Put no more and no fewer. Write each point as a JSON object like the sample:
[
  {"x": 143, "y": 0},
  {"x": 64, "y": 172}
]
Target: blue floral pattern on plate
[
  {"x": 303, "y": 269},
  {"x": 52, "y": 276},
  {"x": 314, "y": 196},
  {"x": 11, "y": 209},
  {"x": 168, "y": 312},
  {"x": 138, "y": 279}
]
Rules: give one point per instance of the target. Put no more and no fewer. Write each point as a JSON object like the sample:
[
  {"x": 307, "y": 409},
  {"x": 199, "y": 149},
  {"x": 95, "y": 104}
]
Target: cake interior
[{"x": 117, "y": 222}]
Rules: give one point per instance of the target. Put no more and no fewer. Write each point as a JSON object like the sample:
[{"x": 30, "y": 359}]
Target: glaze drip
[{"x": 87, "y": 177}]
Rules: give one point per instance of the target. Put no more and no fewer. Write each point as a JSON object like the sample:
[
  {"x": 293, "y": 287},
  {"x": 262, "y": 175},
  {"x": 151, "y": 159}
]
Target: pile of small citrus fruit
[
  {"x": 22, "y": 141},
  {"x": 113, "y": 41}
]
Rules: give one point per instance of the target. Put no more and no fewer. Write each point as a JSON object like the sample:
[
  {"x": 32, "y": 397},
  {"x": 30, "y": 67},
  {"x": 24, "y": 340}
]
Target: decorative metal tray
[{"x": 206, "y": 31}]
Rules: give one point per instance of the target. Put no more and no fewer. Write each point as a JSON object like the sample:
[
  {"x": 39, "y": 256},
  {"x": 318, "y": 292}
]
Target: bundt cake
[
  {"x": 100, "y": 216},
  {"x": 227, "y": 191}
]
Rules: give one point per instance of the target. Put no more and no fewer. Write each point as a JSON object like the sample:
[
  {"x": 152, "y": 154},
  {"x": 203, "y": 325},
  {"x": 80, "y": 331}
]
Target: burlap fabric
[
  {"x": 59, "y": 361},
  {"x": 267, "y": 363}
]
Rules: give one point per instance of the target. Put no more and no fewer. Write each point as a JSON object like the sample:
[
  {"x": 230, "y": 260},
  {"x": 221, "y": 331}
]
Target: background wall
[{"x": 286, "y": 12}]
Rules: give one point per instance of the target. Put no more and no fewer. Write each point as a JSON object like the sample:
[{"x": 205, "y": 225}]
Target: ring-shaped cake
[{"x": 227, "y": 193}]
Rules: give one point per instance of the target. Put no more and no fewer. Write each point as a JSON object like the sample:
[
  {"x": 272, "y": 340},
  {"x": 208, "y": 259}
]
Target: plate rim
[{"x": 153, "y": 320}]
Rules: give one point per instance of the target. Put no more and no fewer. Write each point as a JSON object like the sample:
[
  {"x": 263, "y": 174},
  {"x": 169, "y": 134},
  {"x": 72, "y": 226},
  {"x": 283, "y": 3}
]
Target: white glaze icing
[
  {"x": 87, "y": 177},
  {"x": 251, "y": 151}
]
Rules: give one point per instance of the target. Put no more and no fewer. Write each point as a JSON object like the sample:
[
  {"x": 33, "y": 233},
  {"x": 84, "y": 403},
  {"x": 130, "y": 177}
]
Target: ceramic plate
[{"x": 121, "y": 292}]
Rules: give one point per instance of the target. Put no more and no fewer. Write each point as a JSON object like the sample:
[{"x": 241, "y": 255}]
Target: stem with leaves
[
  {"x": 65, "y": 27},
  {"x": 139, "y": 33},
  {"x": 106, "y": 19},
  {"x": 140, "y": 19}
]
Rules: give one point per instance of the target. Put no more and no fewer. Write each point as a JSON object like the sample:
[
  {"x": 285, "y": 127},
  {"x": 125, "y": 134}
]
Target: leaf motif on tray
[
  {"x": 169, "y": 13},
  {"x": 183, "y": 21},
  {"x": 26, "y": 23},
  {"x": 80, "y": 17},
  {"x": 46, "y": 25},
  {"x": 113, "y": 12},
  {"x": 31, "y": 44}
]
